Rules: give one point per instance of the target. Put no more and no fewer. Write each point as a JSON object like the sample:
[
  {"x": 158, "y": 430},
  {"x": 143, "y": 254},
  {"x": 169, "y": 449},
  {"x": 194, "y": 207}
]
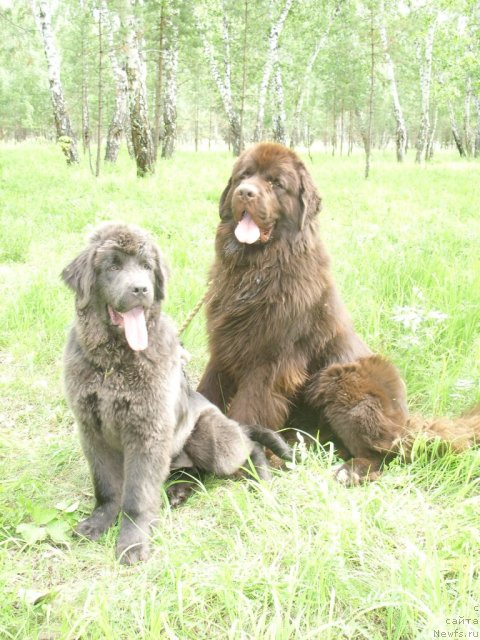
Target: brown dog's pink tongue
[
  {"x": 136, "y": 328},
  {"x": 246, "y": 230}
]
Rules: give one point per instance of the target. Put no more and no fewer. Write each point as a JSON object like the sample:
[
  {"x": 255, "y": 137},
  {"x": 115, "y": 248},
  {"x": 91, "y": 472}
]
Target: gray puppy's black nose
[{"x": 140, "y": 290}]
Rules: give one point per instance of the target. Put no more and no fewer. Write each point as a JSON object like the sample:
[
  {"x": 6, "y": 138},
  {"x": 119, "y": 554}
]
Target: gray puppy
[{"x": 124, "y": 381}]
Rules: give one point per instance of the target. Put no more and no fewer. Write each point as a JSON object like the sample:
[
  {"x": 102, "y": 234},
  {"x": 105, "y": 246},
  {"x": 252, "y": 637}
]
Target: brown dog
[{"x": 282, "y": 346}]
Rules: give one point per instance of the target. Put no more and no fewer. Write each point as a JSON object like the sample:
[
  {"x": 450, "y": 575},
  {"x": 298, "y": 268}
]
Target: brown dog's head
[
  {"x": 121, "y": 276},
  {"x": 269, "y": 195}
]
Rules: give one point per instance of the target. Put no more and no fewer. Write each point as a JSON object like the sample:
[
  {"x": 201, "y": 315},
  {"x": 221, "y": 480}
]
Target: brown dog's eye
[
  {"x": 245, "y": 175},
  {"x": 276, "y": 184}
]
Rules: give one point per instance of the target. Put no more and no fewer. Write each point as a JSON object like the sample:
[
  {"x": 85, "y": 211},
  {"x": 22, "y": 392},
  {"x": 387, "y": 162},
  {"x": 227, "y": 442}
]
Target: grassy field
[{"x": 301, "y": 557}]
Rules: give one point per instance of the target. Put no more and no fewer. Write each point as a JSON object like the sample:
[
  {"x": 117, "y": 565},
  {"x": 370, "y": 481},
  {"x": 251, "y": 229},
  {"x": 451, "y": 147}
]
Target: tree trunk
[
  {"x": 244, "y": 75},
  {"x": 100, "y": 92},
  {"x": 401, "y": 131},
  {"x": 119, "y": 123},
  {"x": 272, "y": 55},
  {"x": 431, "y": 136},
  {"x": 170, "y": 101},
  {"x": 366, "y": 128},
  {"x": 425, "y": 63},
  {"x": 225, "y": 90},
  {"x": 304, "y": 85},
  {"x": 455, "y": 132},
  {"x": 279, "y": 117},
  {"x": 157, "y": 132},
  {"x": 85, "y": 109},
  {"x": 65, "y": 135},
  {"x": 467, "y": 134},
  {"x": 476, "y": 151},
  {"x": 136, "y": 76},
  {"x": 334, "y": 119}
]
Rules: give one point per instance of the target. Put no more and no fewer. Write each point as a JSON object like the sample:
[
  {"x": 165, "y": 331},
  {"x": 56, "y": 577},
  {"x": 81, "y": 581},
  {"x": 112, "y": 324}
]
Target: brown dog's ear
[
  {"x": 79, "y": 275},
  {"x": 311, "y": 201},
  {"x": 161, "y": 276},
  {"x": 225, "y": 213}
]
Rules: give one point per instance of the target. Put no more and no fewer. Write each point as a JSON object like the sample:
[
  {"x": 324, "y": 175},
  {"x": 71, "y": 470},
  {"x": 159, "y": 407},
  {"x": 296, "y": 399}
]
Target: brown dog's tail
[{"x": 459, "y": 434}]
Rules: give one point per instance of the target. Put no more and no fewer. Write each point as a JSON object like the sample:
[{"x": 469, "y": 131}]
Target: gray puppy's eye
[
  {"x": 114, "y": 267},
  {"x": 147, "y": 266}
]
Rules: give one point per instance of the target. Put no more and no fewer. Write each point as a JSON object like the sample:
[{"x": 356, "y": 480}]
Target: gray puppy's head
[{"x": 121, "y": 275}]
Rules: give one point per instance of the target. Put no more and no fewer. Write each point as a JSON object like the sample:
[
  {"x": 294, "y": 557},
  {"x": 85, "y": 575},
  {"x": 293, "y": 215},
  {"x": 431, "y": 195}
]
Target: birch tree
[
  {"x": 137, "y": 88},
  {"x": 223, "y": 82},
  {"x": 401, "y": 129},
  {"x": 476, "y": 151},
  {"x": 425, "y": 65},
  {"x": 304, "y": 84},
  {"x": 170, "y": 100},
  {"x": 100, "y": 90},
  {"x": 272, "y": 56},
  {"x": 455, "y": 130},
  {"x": 85, "y": 106},
  {"x": 65, "y": 135},
  {"x": 157, "y": 121},
  {"x": 279, "y": 117},
  {"x": 118, "y": 122},
  {"x": 467, "y": 133}
]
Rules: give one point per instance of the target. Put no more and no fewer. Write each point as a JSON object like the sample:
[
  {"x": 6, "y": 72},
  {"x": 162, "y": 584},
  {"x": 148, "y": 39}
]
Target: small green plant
[{"x": 51, "y": 524}]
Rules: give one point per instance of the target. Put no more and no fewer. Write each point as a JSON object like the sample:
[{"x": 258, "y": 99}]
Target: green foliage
[
  {"x": 337, "y": 86},
  {"x": 302, "y": 557}
]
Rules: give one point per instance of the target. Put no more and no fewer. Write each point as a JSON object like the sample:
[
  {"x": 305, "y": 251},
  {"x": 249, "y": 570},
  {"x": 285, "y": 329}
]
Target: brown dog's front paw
[
  {"x": 356, "y": 471},
  {"x": 344, "y": 474}
]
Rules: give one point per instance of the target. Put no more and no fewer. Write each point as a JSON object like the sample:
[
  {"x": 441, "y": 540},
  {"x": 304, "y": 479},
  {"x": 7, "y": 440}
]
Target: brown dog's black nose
[{"x": 246, "y": 190}]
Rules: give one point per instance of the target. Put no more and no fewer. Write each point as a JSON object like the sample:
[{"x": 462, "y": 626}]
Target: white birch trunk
[
  {"x": 425, "y": 63},
  {"x": 65, "y": 135},
  {"x": 467, "y": 133},
  {"x": 85, "y": 108},
  {"x": 157, "y": 129},
  {"x": 401, "y": 131},
  {"x": 275, "y": 32},
  {"x": 304, "y": 85},
  {"x": 170, "y": 102},
  {"x": 455, "y": 131},
  {"x": 476, "y": 151},
  {"x": 137, "y": 89},
  {"x": 120, "y": 112},
  {"x": 224, "y": 89},
  {"x": 431, "y": 136},
  {"x": 279, "y": 117}
]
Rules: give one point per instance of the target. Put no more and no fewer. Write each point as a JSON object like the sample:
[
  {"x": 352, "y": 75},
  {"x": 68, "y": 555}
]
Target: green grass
[{"x": 301, "y": 557}]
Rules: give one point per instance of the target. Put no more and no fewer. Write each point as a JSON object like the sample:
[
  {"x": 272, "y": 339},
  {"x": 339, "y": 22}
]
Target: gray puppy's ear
[
  {"x": 309, "y": 198},
  {"x": 161, "y": 275},
  {"x": 225, "y": 212},
  {"x": 79, "y": 275}
]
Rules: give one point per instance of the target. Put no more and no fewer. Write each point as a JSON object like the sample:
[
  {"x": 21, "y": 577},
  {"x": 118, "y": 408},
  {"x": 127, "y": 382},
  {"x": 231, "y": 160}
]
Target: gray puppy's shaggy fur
[{"x": 137, "y": 416}]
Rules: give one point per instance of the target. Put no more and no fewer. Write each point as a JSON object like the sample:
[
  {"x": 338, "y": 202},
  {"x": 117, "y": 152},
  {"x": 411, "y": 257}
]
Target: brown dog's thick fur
[{"x": 282, "y": 347}]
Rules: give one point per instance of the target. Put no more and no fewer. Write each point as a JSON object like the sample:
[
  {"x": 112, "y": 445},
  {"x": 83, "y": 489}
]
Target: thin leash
[{"x": 194, "y": 311}]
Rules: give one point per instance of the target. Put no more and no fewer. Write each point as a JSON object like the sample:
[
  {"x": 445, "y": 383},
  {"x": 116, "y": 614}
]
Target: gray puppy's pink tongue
[
  {"x": 136, "y": 328},
  {"x": 247, "y": 230}
]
